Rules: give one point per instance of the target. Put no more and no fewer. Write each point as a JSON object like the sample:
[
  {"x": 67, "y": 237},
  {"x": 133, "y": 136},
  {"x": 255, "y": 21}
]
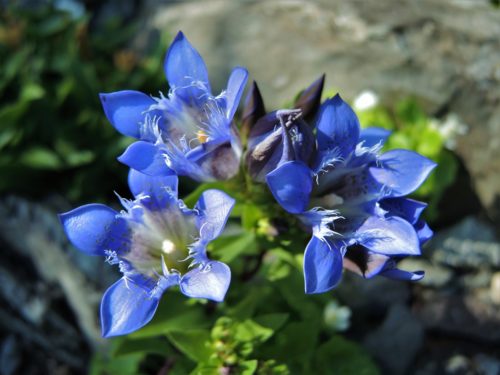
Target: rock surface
[
  {"x": 396, "y": 342},
  {"x": 49, "y": 304},
  {"x": 469, "y": 244},
  {"x": 445, "y": 52}
]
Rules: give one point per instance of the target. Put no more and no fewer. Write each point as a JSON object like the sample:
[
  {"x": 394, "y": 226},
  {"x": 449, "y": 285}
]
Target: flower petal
[
  {"x": 322, "y": 265},
  {"x": 214, "y": 207},
  {"x": 373, "y": 136},
  {"x": 397, "y": 274},
  {"x": 125, "y": 308},
  {"x": 402, "y": 171},
  {"x": 184, "y": 67},
  {"x": 235, "y": 87},
  {"x": 338, "y": 126},
  {"x": 388, "y": 236},
  {"x": 140, "y": 183},
  {"x": 424, "y": 233},
  {"x": 146, "y": 158},
  {"x": 210, "y": 281},
  {"x": 94, "y": 228},
  {"x": 126, "y": 110},
  {"x": 291, "y": 185},
  {"x": 406, "y": 208}
]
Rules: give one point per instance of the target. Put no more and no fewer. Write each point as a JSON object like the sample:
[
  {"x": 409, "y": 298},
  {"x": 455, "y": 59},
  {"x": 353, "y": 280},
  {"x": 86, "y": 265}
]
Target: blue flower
[
  {"x": 189, "y": 132},
  {"x": 352, "y": 196},
  {"x": 157, "y": 242}
]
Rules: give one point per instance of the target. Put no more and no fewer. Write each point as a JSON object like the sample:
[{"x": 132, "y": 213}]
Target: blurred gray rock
[
  {"x": 487, "y": 365},
  {"x": 9, "y": 356},
  {"x": 396, "y": 342},
  {"x": 458, "y": 364},
  {"x": 479, "y": 279},
  {"x": 445, "y": 52},
  {"x": 469, "y": 244},
  {"x": 371, "y": 298},
  {"x": 34, "y": 231},
  {"x": 47, "y": 303},
  {"x": 436, "y": 276},
  {"x": 495, "y": 288},
  {"x": 471, "y": 316}
]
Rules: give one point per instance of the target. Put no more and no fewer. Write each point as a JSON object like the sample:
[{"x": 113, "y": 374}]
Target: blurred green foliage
[
  {"x": 54, "y": 136},
  {"x": 412, "y": 129}
]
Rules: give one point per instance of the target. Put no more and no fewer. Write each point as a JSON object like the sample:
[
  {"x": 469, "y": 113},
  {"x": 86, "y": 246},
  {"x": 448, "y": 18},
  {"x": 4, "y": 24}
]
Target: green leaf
[
  {"x": 53, "y": 24},
  {"x": 248, "y": 367},
  {"x": 296, "y": 344},
  {"x": 193, "y": 343},
  {"x": 251, "y": 214},
  {"x": 206, "y": 369},
  {"x": 125, "y": 365},
  {"x": 249, "y": 330},
  {"x": 228, "y": 248},
  {"x": 246, "y": 305},
  {"x": 376, "y": 116},
  {"x": 78, "y": 158},
  {"x": 6, "y": 136},
  {"x": 273, "y": 321},
  {"x": 346, "y": 357},
  {"x": 32, "y": 91},
  {"x": 42, "y": 158},
  {"x": 155, "y": 345},
  {"x": 192, "y": 198},
  {"x": 174, "y": 314}
]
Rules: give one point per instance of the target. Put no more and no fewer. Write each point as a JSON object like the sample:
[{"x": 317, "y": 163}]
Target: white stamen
[{"x": 167, "y": 247}]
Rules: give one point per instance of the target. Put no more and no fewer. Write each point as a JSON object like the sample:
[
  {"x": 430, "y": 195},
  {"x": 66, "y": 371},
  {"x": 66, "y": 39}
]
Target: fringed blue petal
[
  {"x": 214, "y": 207},
  {"x": 140, "y": 183},
  {"x": 291, "y": 185},
  {"x": 235, "y": 86},
  {"x": 179, "y": 162},
  {"x": 126, "y": 110},
  {"x": 388, "y": 236},
  {"x": 185, "y": 69},
  {"x": 406, "y": 208},
  {"x": 322, "y": 265},
  {"x": 338, "y": 126},
  {"x": 373, "y": 136},
  {"x": 125, "y": 308},
  {"x": 146, "y": 158},
  {"x": 402, "y": 171},
  {"x": 210, "y": 281},
  {"x": 424, "y": 233},
  {"x": 94, "y": 228},
  {"x": 391, "y": 272}
]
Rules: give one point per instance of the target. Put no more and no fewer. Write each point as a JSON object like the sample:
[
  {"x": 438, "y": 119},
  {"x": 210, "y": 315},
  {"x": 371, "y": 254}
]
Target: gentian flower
[
  {"x": 352, "y": 196},
  {"x": 281, "y": 135},
  {"x": 190, "y": 131},
  {"x": 157, "y": 242}
]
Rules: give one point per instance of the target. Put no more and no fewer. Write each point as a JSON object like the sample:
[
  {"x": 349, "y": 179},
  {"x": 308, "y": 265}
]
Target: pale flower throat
[{"x": 161, "y": 236}]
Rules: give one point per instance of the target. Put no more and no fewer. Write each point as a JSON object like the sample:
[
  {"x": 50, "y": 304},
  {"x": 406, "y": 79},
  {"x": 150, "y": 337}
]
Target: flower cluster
[
  {"x": 351, "y": 195},
  {"x": 317, "y": 162}
]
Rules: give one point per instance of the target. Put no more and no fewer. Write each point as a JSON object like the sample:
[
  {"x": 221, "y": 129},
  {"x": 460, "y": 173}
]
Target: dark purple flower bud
[
  {"x": 254, "y": 109},
  {"x": 309, "y": 100},
  {"x": 276, "y": 138}
]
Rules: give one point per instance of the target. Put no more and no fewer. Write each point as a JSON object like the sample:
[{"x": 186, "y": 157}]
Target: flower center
[
  {"x": 161, "y": 236},
  {"x": 189, "y": 125},
  {"x": 328, "y": 201}
]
